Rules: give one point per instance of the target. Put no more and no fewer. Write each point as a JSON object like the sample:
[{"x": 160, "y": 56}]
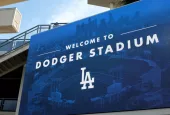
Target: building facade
[{"x": 10, "y": 21}]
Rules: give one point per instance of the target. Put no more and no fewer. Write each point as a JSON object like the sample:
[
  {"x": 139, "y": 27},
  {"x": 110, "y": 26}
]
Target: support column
[
  {"x": 111, "y": 5},
  {"x": 20, "y": 91}
]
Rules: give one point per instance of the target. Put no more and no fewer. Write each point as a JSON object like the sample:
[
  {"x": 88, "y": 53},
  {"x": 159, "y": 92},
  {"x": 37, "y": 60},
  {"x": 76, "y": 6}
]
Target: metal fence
[
  {"x": 8, "y": 104},
  {"x": 21, "y": 39},
  {"x": 24, "y": 38}
]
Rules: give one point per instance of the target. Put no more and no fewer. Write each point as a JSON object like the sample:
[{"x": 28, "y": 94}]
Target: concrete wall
[
  {"x": 7, "y": 113},
  {"x": 7, "y": 15},
  {"x": 10, "y": 20}
]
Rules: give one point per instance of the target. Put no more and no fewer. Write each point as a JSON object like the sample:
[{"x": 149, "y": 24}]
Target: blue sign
[{"x": 115, "y": 61}]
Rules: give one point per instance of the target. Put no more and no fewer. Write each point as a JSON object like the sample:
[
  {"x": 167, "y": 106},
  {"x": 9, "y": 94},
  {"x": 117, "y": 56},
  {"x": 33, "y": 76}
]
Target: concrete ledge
[
  {"x": 144, "y": 112},
  {"x": 7, "y": 113},
  {"x": 14, "y": 53}
]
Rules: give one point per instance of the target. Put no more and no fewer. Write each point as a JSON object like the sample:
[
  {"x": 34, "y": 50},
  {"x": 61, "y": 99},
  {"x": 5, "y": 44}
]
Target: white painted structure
[{"x": 10, "y": 20}]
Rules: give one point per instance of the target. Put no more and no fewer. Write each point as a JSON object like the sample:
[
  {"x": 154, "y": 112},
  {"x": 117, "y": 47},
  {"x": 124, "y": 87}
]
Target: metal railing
[
  {"x": 21, "y": 39},
  {"x": 8, "y": 104}
]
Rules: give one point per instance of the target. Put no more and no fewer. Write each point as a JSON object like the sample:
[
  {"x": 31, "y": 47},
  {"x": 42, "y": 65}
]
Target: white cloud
[{"x": 75, "y": 10}]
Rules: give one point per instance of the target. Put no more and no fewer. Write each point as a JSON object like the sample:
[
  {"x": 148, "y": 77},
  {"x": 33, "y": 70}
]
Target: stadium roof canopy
[
  {"x": 8, "y": 2},
  {"x": 106, "y": 3}
]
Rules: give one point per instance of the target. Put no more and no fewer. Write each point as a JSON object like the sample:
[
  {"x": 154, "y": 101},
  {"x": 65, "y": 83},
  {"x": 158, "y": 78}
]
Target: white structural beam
[
  {"x": 7, "y": 2},
  {"x": 111, "y": 5},
  {"x": 20, "y": 91},
  {"x": 10, "y": 20}
]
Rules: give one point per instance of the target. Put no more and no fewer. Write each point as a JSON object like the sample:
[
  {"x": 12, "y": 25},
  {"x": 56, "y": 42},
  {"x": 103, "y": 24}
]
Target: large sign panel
[{"x": 115, "y": 61}]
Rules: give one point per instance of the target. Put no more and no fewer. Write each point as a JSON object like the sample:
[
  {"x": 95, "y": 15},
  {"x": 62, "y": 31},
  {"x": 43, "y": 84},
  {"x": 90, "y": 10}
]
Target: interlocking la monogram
[{"x": 86, "y": 79}]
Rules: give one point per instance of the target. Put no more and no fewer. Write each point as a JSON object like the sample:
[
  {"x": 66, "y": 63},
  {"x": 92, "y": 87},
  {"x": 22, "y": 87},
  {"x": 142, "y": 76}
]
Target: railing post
[
  {"x": 25, "y": 36},
  {"x": 50, "y": 27},
  {"x": 2, "y": 104},
  {"x": 14, "y": 45},
  {"x": 38, "y": 29}
]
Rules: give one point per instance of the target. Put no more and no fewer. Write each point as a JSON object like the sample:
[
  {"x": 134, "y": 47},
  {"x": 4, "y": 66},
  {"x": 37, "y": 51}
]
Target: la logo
[{"x": 86, "y": 79}]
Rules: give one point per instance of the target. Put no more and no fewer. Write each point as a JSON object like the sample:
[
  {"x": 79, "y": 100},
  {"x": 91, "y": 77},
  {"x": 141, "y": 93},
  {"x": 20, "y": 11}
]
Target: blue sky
[{"x": 37, "y": 12}]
